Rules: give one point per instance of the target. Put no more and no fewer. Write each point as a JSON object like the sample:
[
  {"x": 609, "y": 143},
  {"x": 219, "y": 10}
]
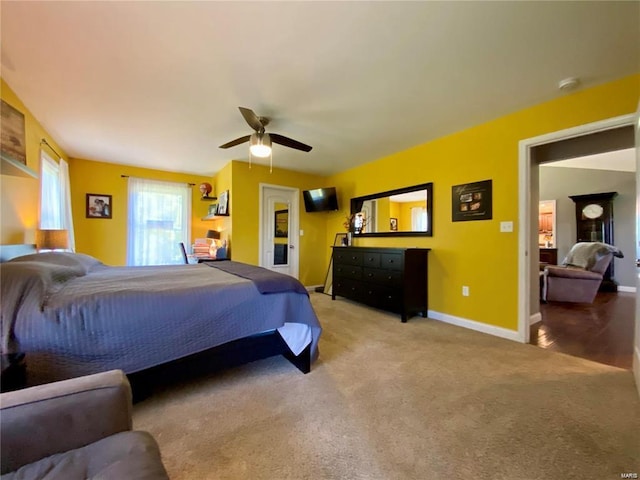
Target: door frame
[
  {"x": 525, "y": 165},
  {"x": 294, "y": 226}
]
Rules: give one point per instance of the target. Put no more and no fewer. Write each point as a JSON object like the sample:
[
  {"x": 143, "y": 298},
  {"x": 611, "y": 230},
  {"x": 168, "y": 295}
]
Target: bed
[{"x": 71, "y": 315}]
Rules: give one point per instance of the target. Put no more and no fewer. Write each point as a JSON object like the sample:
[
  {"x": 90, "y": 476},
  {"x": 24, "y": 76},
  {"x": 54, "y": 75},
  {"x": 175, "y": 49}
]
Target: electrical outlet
[
  {"x": 465, "y": 291},
  {"x": 301, "y": 232}
]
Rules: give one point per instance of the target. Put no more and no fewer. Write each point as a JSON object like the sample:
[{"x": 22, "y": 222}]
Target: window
[
  {"x": 50, "y": 194},
  {"x": 55, "y": 196},
  {"x": 419, "y": 219},
  {"x": 159, "y": 219}
]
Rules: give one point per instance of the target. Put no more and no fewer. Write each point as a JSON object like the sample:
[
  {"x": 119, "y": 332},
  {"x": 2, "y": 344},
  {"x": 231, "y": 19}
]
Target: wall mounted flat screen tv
[{"x": 320, "y": 199}]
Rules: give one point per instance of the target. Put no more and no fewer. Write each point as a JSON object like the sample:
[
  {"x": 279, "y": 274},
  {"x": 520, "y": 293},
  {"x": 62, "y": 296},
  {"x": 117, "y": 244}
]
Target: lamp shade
[
  {"x": 213, "y": 234},
  {"x": 52, "y": 239}
]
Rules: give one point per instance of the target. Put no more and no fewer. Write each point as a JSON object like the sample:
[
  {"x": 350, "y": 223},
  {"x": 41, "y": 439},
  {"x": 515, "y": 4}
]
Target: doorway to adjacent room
[{"x": 600, "y": 331}]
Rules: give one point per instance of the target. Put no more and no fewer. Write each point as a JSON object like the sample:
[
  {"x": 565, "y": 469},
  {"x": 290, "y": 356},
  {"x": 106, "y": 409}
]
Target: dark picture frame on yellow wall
[{"x": 99, "y": 205}]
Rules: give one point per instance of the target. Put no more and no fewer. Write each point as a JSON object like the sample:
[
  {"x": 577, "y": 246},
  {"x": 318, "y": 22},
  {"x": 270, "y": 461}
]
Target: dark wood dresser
[{"x": 394, "y": 279}]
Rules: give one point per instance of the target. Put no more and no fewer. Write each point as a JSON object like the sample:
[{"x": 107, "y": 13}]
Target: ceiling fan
[{"x": 260, "y": 140}]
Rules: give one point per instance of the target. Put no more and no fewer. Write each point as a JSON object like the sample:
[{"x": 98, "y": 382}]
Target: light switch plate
[{"x": 506, "y": 226}]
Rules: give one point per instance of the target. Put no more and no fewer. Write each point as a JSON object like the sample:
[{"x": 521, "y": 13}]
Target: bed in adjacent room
[{"x": 72, "y": 315}]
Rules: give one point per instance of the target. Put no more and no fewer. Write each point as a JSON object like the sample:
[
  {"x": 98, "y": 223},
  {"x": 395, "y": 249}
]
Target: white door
[
  {"x": 279, "y": 229},
  {"x": 636, "y": 349}
]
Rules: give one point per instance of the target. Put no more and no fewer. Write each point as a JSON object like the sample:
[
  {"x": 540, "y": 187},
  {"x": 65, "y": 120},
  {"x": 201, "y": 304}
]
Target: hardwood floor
[{"x": 602, "y": 332}]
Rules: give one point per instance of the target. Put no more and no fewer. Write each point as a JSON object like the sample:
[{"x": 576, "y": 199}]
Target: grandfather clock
[{"x": 594, "y": 223}]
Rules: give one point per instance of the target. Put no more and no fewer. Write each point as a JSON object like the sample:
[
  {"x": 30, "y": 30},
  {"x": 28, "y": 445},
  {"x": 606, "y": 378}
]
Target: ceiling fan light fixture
[{"x": 260, "y": 145}]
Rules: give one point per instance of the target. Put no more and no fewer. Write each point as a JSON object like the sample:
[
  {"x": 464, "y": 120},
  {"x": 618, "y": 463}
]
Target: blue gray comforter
[{"x": 74, "y": 316}]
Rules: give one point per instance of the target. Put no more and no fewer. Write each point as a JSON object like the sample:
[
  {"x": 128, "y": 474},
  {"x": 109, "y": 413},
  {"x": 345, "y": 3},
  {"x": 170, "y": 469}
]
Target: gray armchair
[
  {"x": 78, "y": 428},
  {"x": 581, "y": 274}
]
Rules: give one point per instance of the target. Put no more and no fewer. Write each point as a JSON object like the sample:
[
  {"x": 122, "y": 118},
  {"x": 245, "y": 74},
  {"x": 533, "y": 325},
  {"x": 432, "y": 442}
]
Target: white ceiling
[
  {"x": 157, "y": 84},
  {"x": 618, "y": 160}
]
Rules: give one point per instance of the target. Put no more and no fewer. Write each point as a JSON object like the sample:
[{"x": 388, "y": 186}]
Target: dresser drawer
[
  {"x": 387, "y": 298},
  {"x": 347, "y": 258},
  {"x": 348, "y": 271},
  {"x": 391, "y": 260},
  {"x": 346, "y": 287},
  {"x": 371, "y": 260},
  {"x": 383, "y": 277}
]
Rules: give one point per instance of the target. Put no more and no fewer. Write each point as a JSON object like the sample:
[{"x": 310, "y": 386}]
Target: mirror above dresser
[{"x": 405, "y": 212}]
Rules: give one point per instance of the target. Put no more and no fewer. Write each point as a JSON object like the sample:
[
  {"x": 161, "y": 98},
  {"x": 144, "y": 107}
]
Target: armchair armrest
[
  {"x": 39, "y": 421},
  {"x": 571, "y": 272}
]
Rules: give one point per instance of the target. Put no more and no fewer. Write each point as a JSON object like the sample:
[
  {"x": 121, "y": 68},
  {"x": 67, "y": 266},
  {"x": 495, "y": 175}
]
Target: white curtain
[
  {"x": 55, "y": 196},
  {"x": 419, "y": 219},
  {"x": 65, "y": 196},
  {"x": 159, "y": 218}
]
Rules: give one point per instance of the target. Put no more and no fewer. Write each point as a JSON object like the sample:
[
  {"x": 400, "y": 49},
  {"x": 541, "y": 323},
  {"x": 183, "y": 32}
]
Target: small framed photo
[
  {"x": 393, "y": 224},
  {"x": 213, "y": 209},
  {"x": 223, "y": 203},
  {"x": 99, "y": 205}
]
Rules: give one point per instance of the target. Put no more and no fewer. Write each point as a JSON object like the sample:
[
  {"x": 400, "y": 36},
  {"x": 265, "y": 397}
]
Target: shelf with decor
[
  {"x": 16, "y": 169},
  {"x": 214, "y": 217}
]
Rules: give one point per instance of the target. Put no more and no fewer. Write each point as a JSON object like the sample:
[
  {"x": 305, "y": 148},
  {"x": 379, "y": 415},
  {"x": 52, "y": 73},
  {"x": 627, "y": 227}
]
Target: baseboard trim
[
  {"x": 477, "y": 326},
  {"x": 535, "y": 318},
  {"x": 626, "y": 289},
  {"x": 636, "y": 367}
]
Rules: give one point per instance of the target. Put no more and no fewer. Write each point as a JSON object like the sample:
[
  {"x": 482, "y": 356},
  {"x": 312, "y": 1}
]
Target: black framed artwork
[{"x": 472, "y": 201}]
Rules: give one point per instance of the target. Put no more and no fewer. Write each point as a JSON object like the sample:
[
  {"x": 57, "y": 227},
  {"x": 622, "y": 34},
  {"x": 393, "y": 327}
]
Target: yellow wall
[
  {"x": 475, "y": 253},
  {"x": 21, "y": 195},
  {"x": 464, "y": 253},
  {"x": 245, "y": 218},
  {"x": 106, "y": 239}
]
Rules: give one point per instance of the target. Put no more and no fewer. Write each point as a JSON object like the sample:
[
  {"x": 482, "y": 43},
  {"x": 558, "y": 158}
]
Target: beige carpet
[{"x": 386, "y": 400}]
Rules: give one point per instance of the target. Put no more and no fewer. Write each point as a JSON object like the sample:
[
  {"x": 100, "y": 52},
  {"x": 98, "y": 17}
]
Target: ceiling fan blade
[
  {"x": 237, "y": 141},
  {"x": 289, "y": 142},
  {"x": 252, "y": 119}
]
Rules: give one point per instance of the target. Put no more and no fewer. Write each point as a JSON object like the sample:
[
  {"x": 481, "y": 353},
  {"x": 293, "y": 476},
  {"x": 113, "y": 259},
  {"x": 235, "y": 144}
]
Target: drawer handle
[
  {"x": 390, "y": 261},
  {"x": 389, "y": 277},
  {"x": 371, "y": 275},
  {"x": 353, "y": 258}
]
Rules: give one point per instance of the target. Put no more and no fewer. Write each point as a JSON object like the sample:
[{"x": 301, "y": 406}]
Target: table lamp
[
  {"x": 52, "y": 239},
  {"x": 213, "y": 235}
]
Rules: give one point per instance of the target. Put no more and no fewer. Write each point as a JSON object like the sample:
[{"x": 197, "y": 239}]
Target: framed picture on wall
[
  {"x": 223, "y": 203},
  {"x": 393, "y": 224},
  {"x": 12, "y": 136},
  {"x": 99, "y": 205},
  {"x": 472, "y": 201}
]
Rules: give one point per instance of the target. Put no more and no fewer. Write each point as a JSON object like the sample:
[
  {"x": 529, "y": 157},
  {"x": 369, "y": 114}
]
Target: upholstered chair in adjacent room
[{"x": 581, "y": 274}]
